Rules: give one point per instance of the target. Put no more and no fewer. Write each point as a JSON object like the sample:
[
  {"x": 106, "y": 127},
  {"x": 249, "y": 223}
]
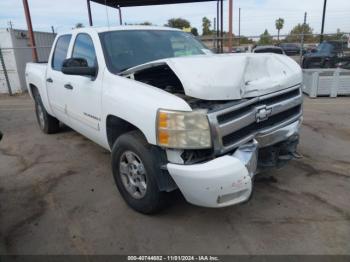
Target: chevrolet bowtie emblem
[{"x": 263, "y": 113}]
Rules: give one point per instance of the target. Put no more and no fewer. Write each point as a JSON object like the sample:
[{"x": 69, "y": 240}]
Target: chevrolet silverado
[{"x": 173, "y": 114}]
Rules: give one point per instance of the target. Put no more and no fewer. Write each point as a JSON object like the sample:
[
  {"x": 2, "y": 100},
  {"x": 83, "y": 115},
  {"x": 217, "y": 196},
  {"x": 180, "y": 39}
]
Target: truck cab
[
  {"x": 327, "y": 55},
  {"x": 173, "y": 114}
]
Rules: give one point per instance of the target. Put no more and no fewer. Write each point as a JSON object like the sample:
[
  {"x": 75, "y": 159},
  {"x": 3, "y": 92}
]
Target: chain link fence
[
  {"x": 15, "y": 53},
  {"x": 12, "y": 67},
  {"x": 247, "y": 43}
]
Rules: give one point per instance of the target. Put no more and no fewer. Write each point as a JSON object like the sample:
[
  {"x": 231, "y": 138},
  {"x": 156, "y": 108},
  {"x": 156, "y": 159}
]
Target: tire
[
  {"x": 47, "y": 123},
  {"x": 135, "y": 169}
]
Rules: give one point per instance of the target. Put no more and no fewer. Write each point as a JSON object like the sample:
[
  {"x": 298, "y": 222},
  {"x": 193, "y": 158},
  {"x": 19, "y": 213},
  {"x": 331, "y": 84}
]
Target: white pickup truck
[{"x": 173, "y": 114}]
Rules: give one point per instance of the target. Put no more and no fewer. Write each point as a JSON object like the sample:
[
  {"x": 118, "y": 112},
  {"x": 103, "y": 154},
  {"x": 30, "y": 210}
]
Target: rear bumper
[{"x": 226, "y": 180}]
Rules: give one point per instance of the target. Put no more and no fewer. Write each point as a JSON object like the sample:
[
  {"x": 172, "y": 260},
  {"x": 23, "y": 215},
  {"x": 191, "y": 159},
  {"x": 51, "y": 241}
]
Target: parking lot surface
[{"x": 57, "y": 196}]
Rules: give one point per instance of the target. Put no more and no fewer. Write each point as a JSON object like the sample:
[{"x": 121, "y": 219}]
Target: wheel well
[
  {"x": 34, "y": 90},
  {"x": 115, "y": 127}
]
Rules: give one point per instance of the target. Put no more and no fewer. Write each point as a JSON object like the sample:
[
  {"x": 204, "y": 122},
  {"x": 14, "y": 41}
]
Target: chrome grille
[{"x": 240, "y": 123}]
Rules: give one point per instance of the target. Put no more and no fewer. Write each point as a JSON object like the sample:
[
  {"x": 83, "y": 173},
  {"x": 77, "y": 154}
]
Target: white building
[{"x": 16, "y": 52}]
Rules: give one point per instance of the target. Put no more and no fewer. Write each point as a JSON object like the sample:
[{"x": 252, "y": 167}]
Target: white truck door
[
  {"x": 84, "y": 100},
  {"x": 55, "y": 79}
]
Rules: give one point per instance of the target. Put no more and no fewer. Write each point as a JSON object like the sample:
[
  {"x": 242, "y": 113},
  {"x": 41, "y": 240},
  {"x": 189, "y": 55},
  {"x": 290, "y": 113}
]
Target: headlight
[{"x": 185, "y": 130}]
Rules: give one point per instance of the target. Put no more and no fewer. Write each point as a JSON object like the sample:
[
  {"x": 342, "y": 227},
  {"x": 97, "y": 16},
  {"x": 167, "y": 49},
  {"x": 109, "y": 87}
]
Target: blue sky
[{"x": 256, "y": 14}]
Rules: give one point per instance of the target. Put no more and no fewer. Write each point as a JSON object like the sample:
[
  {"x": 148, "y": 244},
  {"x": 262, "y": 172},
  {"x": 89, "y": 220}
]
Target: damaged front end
[
  {"x": 254, "y": 120},
  {"x": 247, "y": 137},
  {"x": 222, "y": 77}
]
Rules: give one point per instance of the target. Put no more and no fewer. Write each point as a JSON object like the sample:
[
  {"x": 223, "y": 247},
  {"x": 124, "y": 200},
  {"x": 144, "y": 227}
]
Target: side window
[
  {"x": 60, "y": 52},
  {"x": 84, "y": 48}
]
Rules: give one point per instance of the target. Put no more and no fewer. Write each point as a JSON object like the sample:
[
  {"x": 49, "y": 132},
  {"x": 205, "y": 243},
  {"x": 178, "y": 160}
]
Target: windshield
[
  {"x": 269, "y": 50},
  {"x": 325, "y": 48},
  {"x": 129, "y": 48}
]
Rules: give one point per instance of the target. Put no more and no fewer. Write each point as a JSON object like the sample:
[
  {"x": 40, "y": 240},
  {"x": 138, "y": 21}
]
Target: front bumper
[{"x": 227, "y": 180}]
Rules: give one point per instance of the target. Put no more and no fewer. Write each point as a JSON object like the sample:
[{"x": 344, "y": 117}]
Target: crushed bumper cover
[{"x": 226, "y": 180}]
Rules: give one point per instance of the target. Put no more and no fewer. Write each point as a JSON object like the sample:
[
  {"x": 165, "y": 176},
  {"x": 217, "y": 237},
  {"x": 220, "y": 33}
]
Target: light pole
[
  {"x": 239, "y": 27},
  {"x": 30, "y": 31},
  {"x": 323, "y": 19},
  {"x": 230, "y": 26}
]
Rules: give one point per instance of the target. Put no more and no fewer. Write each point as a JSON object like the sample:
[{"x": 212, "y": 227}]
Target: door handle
[
  {"x": 49, "y": 80},
  {"x": 68, "y": 86}
]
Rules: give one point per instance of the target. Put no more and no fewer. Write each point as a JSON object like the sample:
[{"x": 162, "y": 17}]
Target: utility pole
[
  {"x": 53, "y": 29},
  {"x": 217, "y": 25},
  {"x": 239, "y": 27},
  {"x": 120, "y": 15},
  {"x": 89, "y": 12},
  {"x": 230, "y": 26},
  {"x": 215, "y": 31},
  {"x": 30, "y": 31},
  {"x": 10, "y": 24},
  {"x": 323, "y": 19},
  {"x": 222, "y": 24},
  {"x": 302, "y": 38}
]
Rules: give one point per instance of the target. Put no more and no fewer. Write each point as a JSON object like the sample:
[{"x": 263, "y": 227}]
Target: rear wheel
[
  {"x": 134, "y": 170},
  {"x": 47, "y": 123}
]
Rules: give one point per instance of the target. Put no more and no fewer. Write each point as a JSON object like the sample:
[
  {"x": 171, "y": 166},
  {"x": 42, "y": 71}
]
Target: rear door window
[{"x": 60, "y": 52}]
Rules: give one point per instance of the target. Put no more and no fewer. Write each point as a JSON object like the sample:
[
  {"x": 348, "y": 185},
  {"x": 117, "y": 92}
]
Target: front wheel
[{"x": 135, "y": 169}]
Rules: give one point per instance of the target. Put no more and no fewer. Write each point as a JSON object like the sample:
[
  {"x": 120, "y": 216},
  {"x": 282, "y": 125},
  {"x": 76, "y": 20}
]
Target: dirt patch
[{"x": 34, "y": 197}]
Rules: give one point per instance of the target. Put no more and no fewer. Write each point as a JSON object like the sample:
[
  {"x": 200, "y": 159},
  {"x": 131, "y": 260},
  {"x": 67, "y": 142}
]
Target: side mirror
[{"x": 78, "y": 66}]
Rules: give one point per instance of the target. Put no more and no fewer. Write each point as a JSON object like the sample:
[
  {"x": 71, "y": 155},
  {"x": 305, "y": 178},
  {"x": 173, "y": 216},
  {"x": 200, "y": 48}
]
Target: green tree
[
  {"x": 245, "y": 40},
  {"x": 146, "y": 23},
  {"x": 178, "y": 23},
  {"x": 279, "y": 25},
  {"x": 206, "y": 24},
  {"x": 295, "y": 34},
  {"x": 143, "y": 23},
  {"x": 338, "y": 36},
  {"x": 79, "y": 25},
  {"x": 194, "y": 31},
  {"x": 265, "y": 38}
]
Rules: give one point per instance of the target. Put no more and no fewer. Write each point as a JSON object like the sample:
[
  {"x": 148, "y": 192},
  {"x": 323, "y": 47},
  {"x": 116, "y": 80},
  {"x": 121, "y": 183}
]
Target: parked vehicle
[
  {"x": 173, "y": 115},
  {"x": 343, "y": 64},
  {"x": 268, "y": 49},
  {"x": 238, "y": 50},
  {"x": 328, "y": 54},
  {"x": 290, "y": 48}
]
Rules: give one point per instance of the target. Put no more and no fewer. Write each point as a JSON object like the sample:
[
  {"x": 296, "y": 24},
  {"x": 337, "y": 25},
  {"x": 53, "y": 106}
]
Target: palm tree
[{"x": 279, "y": 25}]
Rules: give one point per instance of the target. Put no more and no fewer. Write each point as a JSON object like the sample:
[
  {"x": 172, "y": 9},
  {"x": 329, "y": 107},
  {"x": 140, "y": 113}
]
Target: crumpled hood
[{"x": 231, "y": 76}]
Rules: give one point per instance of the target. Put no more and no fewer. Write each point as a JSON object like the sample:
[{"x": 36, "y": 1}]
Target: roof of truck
[
  {"x": 121, "y": 28},
  {"x": 127, "y": 3}
]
